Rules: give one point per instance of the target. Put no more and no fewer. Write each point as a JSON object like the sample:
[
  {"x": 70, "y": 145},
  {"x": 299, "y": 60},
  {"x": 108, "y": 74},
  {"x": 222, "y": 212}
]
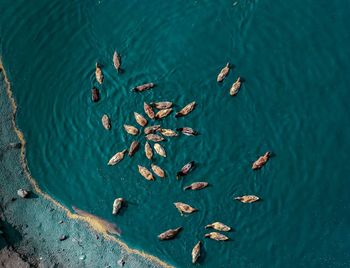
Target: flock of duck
[{"x": 155, "y": 134}]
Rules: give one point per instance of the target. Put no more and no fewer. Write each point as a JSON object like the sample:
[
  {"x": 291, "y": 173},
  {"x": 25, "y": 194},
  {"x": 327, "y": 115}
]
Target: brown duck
[
  {"x": 184, "y": 208},
  {"x": 196, "y": 185},
  {"x": 162, "y": 105},
  {"x": 186, "y": 110},
  {"x": 158, "y": 171},
  {"x": 196, "y": 252},
  {"x": 151, "y": 129},
  {"x": 218, "y": 226},
  {"x": 169, "y": 234},
  {"x": 168, "y": 132},
  {"x": 216, "y": 236},
  {"x": 135, "y": 145},
  {"x": 144, "y": 87},
  {"x": 116, "y": 158},
  {"x": 106, "y": 122},
  {"x": 140, "y": 119},
  {"x": 131, "y": 130},
  {"x": 261, "y": 161},
  {"x": 235, "y": 87},
  {"x": 185, "y": 169},
  {"x": 223, "y": 73},
  {"x": 187, "y": 131},
  {"x": 148, "y": 110},
  {"x": 99, "y": 74},
  {"x": 116, "y": 61},
  {"x": 95, "y": 94},
  {"x": 159, "y": 149},
  {"x": 247, "y": 198},
  {"x": 145, "y": 173},
  {"x": 148, "y": 151},
  {"x": 163, "y": 113},
  {"x": 154, "y": 137}
]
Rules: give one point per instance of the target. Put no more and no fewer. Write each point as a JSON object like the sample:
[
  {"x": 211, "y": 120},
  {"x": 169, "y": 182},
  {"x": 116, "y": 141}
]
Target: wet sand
[{"x": 32, "y": 227}]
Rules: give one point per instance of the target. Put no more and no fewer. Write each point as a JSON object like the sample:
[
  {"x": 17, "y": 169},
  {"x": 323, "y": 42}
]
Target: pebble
[{"x": 23, "y": 193}]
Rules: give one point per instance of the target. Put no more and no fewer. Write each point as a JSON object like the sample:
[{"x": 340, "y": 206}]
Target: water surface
[{"x": 293, "y": 57}]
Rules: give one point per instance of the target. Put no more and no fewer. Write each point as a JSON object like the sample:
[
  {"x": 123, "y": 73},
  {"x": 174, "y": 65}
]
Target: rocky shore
[{"x": 31, "y": 228}]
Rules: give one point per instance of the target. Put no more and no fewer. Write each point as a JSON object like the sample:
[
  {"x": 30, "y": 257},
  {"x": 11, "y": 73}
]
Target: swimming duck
[
  {"x": 218, "y": 226},
  {"x": 99, "y": 74},
  {"x": 161, "y": 105},
  {"x": 158, "y": 171},
  {"x": 163, "y": 113},
  {"x": 196, "y": 185},
  {"x": 140, "y": 119},
  {"x": 144, "y": 87},
  {"x": 169, "y": 234},
  {"x": 187, "y": 131},
  {"x": 186, "y": 110},
  {"x": 135, "y": 145},
  {"x": 148, "y": 110},
  {"x": 216, "y": 236},
  {"x": 223, "y": 73},
  {"x": 117, "y": 158},
  {"x": 116, "y": 61},
  {"x": 235, "y": 87},
  {"x": 145, "y": 173},
  {"x": 185, "y": 169},
  {"x": 261, "y": 161},
  {"x": 131, "y": 130},
  {"x": 184, "y": 208},
  {"x": 159, "y": 149},
  {"x": 148, "y": 151},
  {"x": 247, "y": 198},
  {"x": 106, "y": 122}
]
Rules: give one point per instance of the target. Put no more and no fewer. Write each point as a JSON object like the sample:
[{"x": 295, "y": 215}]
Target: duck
[
  {"x": 223, "y": 73},
  {"x": 186, "y": 110}
]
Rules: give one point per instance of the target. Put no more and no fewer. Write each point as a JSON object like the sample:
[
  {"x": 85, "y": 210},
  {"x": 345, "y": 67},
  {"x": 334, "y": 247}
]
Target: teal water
[{"x": 294, "y": 57}]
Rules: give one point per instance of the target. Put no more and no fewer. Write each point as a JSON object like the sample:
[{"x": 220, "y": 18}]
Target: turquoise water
[{"x": 294, "y": 57}]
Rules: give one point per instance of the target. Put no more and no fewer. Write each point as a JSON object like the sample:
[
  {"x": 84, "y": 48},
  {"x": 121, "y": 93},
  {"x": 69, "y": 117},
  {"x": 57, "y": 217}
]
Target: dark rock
[
  {"x": 15, "y": 145},
  {"x": 63, "y": 237},
  {"x": 121, "y": 262}
]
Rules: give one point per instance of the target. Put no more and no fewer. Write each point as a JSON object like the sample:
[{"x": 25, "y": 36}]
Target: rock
[
  {"x": 60, "y": 222},
  {"x": 23, "y": 193},
  {"x": 15, "y": 145},
  {"x": 121, "y": 262},
  {"x": 63, "y": 237},
  {"x": 82, "y": 257}
]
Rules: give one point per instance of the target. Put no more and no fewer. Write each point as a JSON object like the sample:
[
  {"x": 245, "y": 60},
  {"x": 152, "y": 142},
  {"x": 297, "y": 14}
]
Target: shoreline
[{"x": 49, "y": 208}]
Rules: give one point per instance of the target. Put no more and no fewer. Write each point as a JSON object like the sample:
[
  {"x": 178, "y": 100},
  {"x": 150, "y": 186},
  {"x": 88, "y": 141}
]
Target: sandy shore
[{"x": 31, "y": 227}]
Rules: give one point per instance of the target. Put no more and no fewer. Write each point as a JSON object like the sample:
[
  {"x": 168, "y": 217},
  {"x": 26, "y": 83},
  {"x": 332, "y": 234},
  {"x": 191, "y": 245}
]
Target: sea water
[{"x": 293, "y": 57}]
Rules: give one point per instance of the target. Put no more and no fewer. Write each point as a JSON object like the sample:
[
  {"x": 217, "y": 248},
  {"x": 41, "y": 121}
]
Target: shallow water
[{"x": 294, "y": 60}]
